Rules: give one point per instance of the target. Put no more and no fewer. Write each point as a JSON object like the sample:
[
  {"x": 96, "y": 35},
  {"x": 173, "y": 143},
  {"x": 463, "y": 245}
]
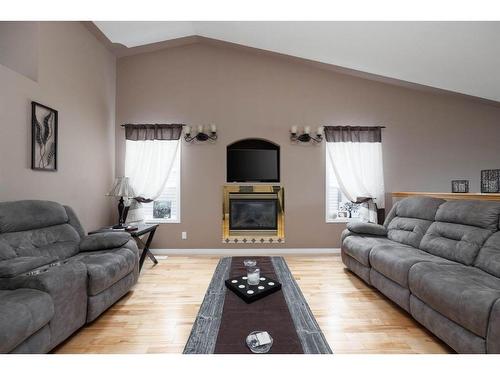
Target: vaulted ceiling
[{"x": 463, "y": 57}]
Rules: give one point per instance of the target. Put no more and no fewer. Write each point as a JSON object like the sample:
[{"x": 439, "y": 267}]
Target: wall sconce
[
  {"x": 306, "y": 135},
  {"x": 201, "y": 134}
]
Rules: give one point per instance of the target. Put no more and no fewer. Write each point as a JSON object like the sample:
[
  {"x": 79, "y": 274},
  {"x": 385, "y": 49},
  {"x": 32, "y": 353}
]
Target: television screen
[{"x": 253, "y": 165}]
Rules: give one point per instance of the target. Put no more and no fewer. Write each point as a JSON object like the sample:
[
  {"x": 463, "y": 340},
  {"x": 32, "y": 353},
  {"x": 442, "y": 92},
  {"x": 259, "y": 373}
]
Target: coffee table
[{"x": 225, "y": 320}]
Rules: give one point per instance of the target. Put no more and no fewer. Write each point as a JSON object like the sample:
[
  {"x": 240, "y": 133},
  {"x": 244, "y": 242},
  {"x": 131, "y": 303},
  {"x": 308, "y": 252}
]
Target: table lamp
[{"x": 121, "y": 188}]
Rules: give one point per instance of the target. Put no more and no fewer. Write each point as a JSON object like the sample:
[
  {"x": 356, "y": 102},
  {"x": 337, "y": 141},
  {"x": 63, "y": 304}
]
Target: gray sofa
[
  {"x": 53, "y": 278},
  {"x": 440, "y": 261}
]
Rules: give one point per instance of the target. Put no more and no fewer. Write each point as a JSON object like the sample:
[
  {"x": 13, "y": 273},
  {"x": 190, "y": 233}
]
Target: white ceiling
[{"x": 458, "y": 56}]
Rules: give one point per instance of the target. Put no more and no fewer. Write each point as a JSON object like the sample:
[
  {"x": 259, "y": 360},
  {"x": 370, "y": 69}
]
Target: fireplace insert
[{"x": 253, "y": 214}]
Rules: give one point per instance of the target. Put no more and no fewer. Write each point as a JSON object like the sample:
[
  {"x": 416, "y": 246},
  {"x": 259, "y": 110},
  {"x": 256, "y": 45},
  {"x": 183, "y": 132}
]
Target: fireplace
[{"x": 253, "y": 214}]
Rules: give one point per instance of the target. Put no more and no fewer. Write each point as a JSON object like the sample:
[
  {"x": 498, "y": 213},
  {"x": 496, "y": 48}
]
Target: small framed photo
[
  {"x": 460, "y": 186},
  {"x": 43, "y": 137},
  {"x": 162, "y": 209},
  {"x": 342, "y": 214}
]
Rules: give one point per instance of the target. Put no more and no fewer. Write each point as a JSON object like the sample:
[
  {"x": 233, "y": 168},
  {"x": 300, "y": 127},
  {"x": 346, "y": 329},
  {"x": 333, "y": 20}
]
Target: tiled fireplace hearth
[{"x": 253, "y": 214}]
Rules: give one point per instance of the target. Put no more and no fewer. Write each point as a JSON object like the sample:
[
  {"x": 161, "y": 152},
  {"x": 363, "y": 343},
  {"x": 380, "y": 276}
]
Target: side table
[{"x": 142, "y": 229}]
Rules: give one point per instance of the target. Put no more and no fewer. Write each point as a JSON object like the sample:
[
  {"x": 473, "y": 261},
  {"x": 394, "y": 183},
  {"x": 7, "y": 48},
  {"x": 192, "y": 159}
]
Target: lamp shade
[{"x": 122, "y": 188}]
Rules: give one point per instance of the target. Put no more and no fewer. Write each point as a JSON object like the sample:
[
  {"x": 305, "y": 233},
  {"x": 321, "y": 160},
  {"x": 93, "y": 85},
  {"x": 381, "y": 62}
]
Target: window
[
  {"x": 166, "y": 208},
  {"x": 336, "y": 202}
]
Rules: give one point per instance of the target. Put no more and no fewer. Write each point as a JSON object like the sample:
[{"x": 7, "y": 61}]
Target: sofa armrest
[
  {"x": 16, "y": 266},
  {"x": 367, "y": 228},
  {"x": 66, "y": 283},
  {"x": 104, "y": 241}
]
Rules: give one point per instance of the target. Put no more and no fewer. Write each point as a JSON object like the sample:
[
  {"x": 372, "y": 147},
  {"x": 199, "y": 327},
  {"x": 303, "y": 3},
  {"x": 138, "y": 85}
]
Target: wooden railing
[{"x": 449, "y": 196}]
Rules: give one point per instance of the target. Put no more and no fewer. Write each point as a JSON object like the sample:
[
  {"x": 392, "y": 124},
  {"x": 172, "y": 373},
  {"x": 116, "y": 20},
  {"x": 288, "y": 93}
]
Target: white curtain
[
  {"x": 359, "y": 171},
  {"x": 148, "y": 165}
]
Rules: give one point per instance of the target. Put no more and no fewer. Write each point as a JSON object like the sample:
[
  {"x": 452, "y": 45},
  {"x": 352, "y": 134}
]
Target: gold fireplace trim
[{"x": 253, "y": 236}]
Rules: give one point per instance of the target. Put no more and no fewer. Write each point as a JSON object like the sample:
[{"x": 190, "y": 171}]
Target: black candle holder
[
  {"x": 305, "y": 137},
  {"x": 201, "y": 136}
]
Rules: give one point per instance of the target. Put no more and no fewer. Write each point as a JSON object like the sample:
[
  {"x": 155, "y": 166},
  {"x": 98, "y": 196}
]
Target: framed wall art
[
  {"x": 43, "y": 137},
  {"x": 490, "y": 181},
  {"x": 459, "y": 186}
]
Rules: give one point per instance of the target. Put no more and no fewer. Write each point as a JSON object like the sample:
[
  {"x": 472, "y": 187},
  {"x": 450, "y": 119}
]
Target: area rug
[{"x": 224, "y": 320}]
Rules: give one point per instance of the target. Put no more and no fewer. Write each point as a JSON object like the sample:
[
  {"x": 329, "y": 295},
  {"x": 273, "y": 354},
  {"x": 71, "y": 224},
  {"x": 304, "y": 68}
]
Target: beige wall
[
  {"x": 430, "y": 138},
  {"x": 76, "y": 76}
]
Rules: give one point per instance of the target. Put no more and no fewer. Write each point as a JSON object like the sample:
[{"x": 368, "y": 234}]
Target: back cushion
[
  {"x": 411, "y": 219},
  {"x": 461, "y": 228},
  {"x": 480, "y": 214},
  {"x": 488, "y": 258},
  {"x": 59, "y": 241},
  {"x": 20, "y": 216},
  {"x": 424, "y": 208},
  {"x": 456, "y": 242},
  {"x": 6, "y": 251}
]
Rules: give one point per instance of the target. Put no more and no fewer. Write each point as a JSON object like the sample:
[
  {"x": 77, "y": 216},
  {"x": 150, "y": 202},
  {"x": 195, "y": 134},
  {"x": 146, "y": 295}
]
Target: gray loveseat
[
  {"x": 53, "y": 278},
  {"x": 440, "y": 261}
]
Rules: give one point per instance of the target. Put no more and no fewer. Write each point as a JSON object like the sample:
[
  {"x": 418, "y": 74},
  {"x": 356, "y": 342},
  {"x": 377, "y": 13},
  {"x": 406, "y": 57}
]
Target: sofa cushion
[
  {"x": 6, "y": 251},
  {"x": 457, "y": 242},
  {"x": 488, "y": 258},
  {"x": 424, "y": 208},
  {"x": 359, "y": 247},
  {"x": 480, "y": 214},
  {"x": 463, "y": 294},
  {"x": 104, "y": 268},
  {"x": 410, "y": 219},
  {"x": 59, "y": 241},
  {"x": 25, "y": 215},
  {"x": 395, "y": 262},
  {"x": 22, "y": 313},
  {"x": 408, "y": 231}
]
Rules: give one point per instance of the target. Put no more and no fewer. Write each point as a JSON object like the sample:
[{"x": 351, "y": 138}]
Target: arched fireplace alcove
[{"x": 253, "y": 201}]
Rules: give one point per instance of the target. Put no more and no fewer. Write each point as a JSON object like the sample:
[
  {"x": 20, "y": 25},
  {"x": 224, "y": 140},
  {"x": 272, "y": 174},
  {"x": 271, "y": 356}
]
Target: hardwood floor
[{"x": 157, "y": 316}]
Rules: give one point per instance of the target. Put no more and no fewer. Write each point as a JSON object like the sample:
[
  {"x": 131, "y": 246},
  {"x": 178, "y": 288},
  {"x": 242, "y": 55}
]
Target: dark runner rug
[{"x": 225, "y": 320}]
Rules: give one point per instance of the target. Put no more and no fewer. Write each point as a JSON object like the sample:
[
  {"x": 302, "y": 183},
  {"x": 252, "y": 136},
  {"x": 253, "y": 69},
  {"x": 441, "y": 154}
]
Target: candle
[
  {"x": 253, "y": 276},
  {"x": 294, "y": 130},
  {"x": 200, "y": 128},
  {"x": 320, "y": 130},
  {"x": 187, "y": 130},
  {"x": 213, "y": 128},
  {"x": 307, "y": 130}
]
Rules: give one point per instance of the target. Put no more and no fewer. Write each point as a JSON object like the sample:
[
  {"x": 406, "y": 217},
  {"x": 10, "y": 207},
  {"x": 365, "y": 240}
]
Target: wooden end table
[{"x": 142, "y": 229}]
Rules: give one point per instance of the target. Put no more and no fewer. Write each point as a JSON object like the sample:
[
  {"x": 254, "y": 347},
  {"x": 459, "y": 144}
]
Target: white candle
[
  {"x": 187, "y": 130},
  {"x": 213, "y": 128},
  {"x": 307, "y": 130},
  {"x": 253, "y": 276},
  {"x": 320, "y": 130},
  {"x": 200, "y": 128},
  {"x": 293, "y": 130}
]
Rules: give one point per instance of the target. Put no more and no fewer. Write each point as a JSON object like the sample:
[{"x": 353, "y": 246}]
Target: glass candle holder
[
  {"x": 249, "y": 263},
  {"x": 253, "y": 275}
]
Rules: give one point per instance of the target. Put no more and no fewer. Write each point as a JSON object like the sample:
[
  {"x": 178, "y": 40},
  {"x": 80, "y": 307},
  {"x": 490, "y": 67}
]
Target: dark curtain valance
[
  {"x": 149, "y": 132},
  {"x": 353, "y": 134}
]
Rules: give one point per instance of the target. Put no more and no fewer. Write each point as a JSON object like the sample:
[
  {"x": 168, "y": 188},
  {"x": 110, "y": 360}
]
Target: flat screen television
[{"x": 253, "y": 161}]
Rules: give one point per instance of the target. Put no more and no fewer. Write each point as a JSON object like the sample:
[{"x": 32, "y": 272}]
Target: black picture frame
[
  {"x": 43, "y": 137},
  {"x": 459, "y": 186},
  {"x": 490, "y": 181}
]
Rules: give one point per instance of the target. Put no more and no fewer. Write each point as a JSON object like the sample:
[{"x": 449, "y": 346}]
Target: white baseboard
[{"x": 241, "y": 252}]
